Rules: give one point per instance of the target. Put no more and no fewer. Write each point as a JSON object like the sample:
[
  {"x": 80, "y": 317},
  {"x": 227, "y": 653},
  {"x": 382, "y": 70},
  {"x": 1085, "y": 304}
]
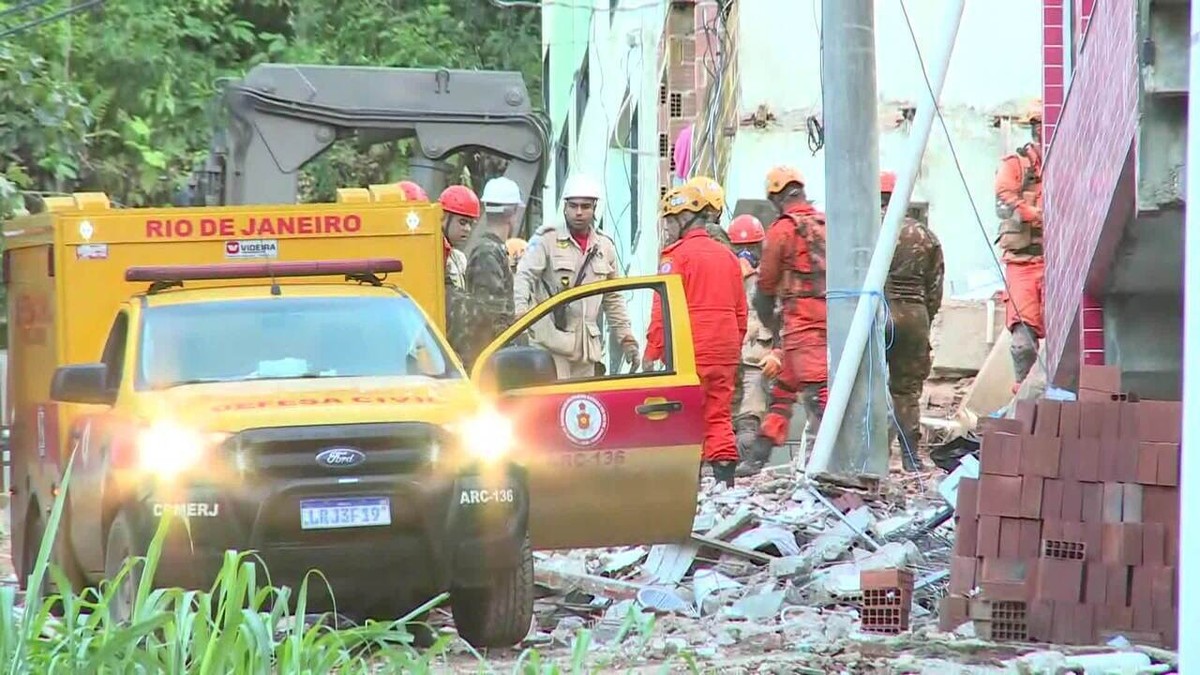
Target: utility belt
[
  {"x": 1020, "y": 237},
  {"x": 799, "y": 284}
]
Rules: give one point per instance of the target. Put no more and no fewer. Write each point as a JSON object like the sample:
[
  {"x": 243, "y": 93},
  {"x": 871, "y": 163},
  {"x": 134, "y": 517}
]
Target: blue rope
[{"x": 889, "y": 338}]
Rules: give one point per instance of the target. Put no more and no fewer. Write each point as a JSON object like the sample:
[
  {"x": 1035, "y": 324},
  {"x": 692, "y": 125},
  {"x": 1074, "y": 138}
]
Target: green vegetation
[{"x": 119, "y": 98}]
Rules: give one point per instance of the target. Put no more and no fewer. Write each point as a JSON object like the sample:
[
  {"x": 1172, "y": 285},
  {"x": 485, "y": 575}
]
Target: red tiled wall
[
  {"x": 1083, "y": 14},
  {"x": 1091, "y": 331},
  {"x": 1053, "y": 76},
  {"x": 1092, "y": 140}
]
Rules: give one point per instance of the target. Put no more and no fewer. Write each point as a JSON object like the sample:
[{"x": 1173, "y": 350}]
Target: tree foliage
[{"x": 121, "y": 99}]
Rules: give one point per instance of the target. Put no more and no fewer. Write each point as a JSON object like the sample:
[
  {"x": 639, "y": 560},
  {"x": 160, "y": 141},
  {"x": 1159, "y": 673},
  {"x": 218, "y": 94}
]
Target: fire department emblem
[{"x": 583, "y": 419}]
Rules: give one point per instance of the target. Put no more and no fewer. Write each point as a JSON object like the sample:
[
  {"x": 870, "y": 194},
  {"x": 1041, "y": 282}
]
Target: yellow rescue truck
[{"x": 278, "y": 376}]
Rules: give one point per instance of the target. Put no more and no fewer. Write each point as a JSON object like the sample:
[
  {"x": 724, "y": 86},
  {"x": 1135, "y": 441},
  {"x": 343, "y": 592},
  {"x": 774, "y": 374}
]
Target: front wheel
[
  {"x": 500, "y": 614},
  {"x": 123, "y": 546}
]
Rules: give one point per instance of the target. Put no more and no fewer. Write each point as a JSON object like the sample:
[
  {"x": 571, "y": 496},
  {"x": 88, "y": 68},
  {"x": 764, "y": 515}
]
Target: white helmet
[
  {"x": 581, "y": 186},
  {"x": 501, "y": 192}
]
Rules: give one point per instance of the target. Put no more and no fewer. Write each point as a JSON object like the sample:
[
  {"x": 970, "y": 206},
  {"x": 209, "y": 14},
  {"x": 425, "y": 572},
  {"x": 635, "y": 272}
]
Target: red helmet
[
  {"x": 746, "y": 229},
  {"x": 460, "y": 200},
  {"x": 887, "y": 182},
  {"x": 412, "y": 191}
]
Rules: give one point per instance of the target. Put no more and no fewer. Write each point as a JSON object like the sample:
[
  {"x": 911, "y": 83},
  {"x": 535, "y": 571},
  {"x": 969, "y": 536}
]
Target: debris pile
[{"x": 773, "y": 562}]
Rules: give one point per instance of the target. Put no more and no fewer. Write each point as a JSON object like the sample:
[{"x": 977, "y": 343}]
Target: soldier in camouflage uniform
[
  {"x": 914, "y": 294},
  {"x": 488, "y": 275}
]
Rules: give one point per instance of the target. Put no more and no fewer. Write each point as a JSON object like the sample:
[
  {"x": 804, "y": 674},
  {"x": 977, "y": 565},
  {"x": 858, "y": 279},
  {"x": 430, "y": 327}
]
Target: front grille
[{"x": 291, "y": 452}]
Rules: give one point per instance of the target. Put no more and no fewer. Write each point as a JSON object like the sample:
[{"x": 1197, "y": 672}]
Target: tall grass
[{"x": 242, "y": 625}]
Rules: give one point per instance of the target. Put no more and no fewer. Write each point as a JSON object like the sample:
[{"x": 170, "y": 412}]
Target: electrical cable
[
  {"x": 51, "y": 17},
  {"x": 963, "y": 178}
]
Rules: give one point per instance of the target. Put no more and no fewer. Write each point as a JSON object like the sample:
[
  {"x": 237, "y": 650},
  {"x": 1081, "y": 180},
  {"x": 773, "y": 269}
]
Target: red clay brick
[
  {"x": 962, "y": 575},
  {"x": 1095, "y": 584},
  {"x": 966, "y": 536},
  {"x": 1143, "y": 617},
  {"x": 1026, "y": 413},
  {"x": 1160, "y": 504},
  {"x": 1166, "y": 623},
  {"x": 1030, "y": 544},
  {"x": 1068, "y": 420},
  {"x": 1000, "y": 496},
  {"x": 1073, "y": 531},
  {"x": 1052, "y": 529},
  {"x": 1000, "y": 455},
  {"x": 1097, "y": 382},
  {"x": 1074, "y": 623},
  {"x": 1091, "y": 419},
  {"x": 1088, "y": 466},
  {"x": 1093, "y": 536},
  {"x": 1001, "y": 579},
  {"x": 1154, "y": 544},
  {"x": 1110, "y": 422},
  {"x": 1040, "y": 456},
  {"x": 1040, "y": 620},
  {"x": 1072, "y": 501},
  {"x": 967, "y": 502},
  {"x": 988, "y": 545},
  {"x": 1093, "y": 503},
  {"x": 1068, "y": 458},
  {"x": 1010, "y": 538},
  {"x": 1129, "y": 420},
  {"x": 1131, "y": 503},
  {"x": 1004, "y": 425},
  {"x": 1160, "y": 421},
  {"x": 1115, "y": 617},
  {"x": 1060, "y": 580},
  {"x": 1112, "y": 498},
  {"x": 1031, "y": 496},
  {"x": 1163, "y": 585},
  {"x": 1122, "y": 544},
  {"x": 1047, "y": 419},
  {"x": 1127, "y": 459},
  {"x": 952, "y": 613},
  {"x": 1110, "y": 450},
  {"x": 1052, "y": 494},
  {"x": 1147, "y": 460},
  {"x": 1168, "y": 464},
  {"x": 1141, "y": 587}
]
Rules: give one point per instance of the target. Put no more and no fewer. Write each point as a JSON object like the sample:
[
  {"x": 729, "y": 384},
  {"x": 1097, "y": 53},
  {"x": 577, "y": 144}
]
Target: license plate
[{"x": 332, "y": 514}]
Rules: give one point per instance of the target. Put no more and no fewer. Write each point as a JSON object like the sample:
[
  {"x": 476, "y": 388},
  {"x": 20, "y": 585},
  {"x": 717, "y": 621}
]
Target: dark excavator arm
[{"x": 283, "y": 116}]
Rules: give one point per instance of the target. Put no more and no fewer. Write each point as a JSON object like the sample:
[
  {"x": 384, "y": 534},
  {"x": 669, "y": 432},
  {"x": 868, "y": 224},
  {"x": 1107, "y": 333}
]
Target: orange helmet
[
  {"x": 412, "y": 191},
  {"x": 887, "y": 182},
  {"x": 746, "y": 229},
  {"x": 460, "y": 200},
  {"x": 516, "y": 248},
  {"x": 782, "y": 176},
  {"x": 686, "y": 197},
  {"x": 710, "y": 191}
]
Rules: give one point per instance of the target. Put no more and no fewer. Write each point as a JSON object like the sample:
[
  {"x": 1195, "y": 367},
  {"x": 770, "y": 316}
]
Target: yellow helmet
[
  {"x": 673, "y": 202},
  {"x": 711, "y": 192}
]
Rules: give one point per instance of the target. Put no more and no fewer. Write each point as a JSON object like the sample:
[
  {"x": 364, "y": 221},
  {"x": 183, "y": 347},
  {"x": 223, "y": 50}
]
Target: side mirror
[
  {"x": 517, "y": 366},
  {"x": 82, "y": 383}
]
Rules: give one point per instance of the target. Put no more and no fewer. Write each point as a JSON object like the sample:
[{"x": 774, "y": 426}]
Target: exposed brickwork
[
  {"x": 1091, "y": 143},
  {"x": 1091, "y": 333},
  {"x": 1053, "y": 74}
]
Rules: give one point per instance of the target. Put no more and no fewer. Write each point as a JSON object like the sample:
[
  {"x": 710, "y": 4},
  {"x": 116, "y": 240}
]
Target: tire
[
  {"x": 498, "y": 615},
  {"x": 122, "y": 544}
]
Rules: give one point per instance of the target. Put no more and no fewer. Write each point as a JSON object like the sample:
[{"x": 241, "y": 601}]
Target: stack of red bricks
[{"x": 1070, "y": 534}]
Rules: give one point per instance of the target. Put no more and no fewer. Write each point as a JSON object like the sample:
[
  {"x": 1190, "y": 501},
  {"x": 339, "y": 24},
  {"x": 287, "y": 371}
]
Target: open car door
[{"x": 613, "y": 457}]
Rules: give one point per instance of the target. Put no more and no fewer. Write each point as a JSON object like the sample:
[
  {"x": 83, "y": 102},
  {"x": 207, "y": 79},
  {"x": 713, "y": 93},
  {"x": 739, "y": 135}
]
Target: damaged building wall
[{"x": 991, "y": 78}]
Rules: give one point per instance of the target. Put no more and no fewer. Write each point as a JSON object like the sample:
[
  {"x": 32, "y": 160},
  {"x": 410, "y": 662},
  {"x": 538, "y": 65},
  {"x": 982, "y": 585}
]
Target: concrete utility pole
[
  {"x": 1189, "y": 475},
  {"x": 851, "y": 116}
]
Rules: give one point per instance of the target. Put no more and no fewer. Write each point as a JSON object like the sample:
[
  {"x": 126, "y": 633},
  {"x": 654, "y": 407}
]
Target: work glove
[
  {"x": 771, "y": 364},
  {"x": 632, "y": 355}
]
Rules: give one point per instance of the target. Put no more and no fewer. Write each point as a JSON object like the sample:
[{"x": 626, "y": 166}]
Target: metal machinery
[{"x": 283, "y": 116}]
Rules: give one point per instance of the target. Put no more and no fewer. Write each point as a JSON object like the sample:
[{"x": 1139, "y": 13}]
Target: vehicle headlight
[
  {"x": 167, "y": 449},
  {"x": 487, "y": 436}
]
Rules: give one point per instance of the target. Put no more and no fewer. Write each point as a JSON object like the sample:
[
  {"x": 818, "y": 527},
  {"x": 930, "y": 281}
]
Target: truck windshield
[{"x": 287, "y": 337}]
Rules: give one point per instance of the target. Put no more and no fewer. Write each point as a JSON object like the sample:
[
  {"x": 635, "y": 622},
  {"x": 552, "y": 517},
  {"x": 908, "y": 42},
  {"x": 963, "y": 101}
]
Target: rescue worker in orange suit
[
  {"x": 1019, "y": 206},
  {"x": 746, "y": 234},
  {"x": 461, "y": 211},
  {"x": 792, "y": 272},
  {"x": 712, "y": 284},
  {"x": 914, "y": 295}
]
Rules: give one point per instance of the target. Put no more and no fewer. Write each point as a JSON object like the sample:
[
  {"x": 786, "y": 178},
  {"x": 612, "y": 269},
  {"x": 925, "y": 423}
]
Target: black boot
[
  {"x": 724, "y": 472},
  {"x": 756, "y": 458}
]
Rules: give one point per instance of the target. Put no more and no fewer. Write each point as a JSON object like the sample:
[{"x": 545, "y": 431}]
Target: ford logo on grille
[{"x": 340, "y": 458}]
